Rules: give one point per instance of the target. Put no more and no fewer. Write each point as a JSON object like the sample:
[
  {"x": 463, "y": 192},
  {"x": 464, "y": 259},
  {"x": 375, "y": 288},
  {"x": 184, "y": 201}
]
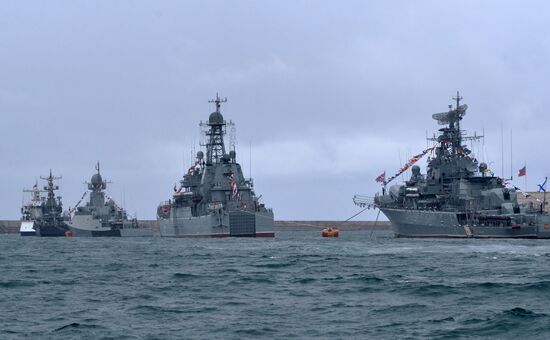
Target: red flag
[
  {"x": 522, "y": 171},
  {"x": 381, "y": 177}
]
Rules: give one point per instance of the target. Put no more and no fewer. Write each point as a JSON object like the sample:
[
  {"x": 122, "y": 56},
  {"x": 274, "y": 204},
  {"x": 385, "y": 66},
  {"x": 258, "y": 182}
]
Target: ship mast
[
  {"x": 215, "y": 147},
  {"x": 35, "y": 193},
  {"x": 51, "y": 187},
  {"x": 458, "y": 135}
]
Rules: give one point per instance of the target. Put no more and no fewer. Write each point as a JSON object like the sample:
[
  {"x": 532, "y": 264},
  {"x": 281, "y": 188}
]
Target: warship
[
  {"x": 30, "y": 211},
  {"x": 457, "y": 196},
  {"x": 49, "y": 219},
  {"x": 214, "y": 199},
  {"x": 101, "y": 216}
]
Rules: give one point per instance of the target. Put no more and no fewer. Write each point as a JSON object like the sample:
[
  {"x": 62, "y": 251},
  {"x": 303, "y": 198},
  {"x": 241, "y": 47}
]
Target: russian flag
[{"x": 522, "y": 171}]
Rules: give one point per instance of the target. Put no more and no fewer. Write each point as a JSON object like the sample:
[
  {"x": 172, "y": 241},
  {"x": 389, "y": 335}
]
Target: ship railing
[
  {"x": 164, "y": 203},
  {"x": 363, "y": 201},
  {"x": 249, "y": 182}
]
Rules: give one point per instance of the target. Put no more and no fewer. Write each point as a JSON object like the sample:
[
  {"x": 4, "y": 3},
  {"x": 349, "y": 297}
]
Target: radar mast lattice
[{"x": 214, "y": 131}]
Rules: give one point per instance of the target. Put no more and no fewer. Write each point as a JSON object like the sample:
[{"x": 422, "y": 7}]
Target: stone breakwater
[{"x": 12, "y": 226}]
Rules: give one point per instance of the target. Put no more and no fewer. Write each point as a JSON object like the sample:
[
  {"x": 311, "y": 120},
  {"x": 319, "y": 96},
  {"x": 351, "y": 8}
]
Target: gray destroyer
[
  {"x": 457, "y": 197},
  {"x": 214, "y": 199},
  {"x": 101, "y": 216},
  {"x": 47, "y": 216}
]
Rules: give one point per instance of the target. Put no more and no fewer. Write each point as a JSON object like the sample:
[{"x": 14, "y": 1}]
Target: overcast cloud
[{"x": 328, "y": 93}]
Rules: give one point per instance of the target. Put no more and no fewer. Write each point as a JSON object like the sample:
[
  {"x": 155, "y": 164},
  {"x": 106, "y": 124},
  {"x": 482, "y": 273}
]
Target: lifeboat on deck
[{"x": 330, "y": 232}]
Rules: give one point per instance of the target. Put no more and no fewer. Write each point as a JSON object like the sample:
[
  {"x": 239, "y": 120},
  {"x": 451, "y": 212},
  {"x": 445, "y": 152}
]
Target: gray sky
[{"x": 329, "y": 93}]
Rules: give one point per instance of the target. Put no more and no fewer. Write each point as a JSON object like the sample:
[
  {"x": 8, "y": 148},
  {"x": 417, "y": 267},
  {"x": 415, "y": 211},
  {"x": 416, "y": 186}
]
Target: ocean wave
[
  {"x": 252, "y": 279},
  {"x": 275, "y": 264},
  {"x": 254, "y": 332},
  {"x": 184, "y": 276},
  {"x": 303, "y": 280},
  {"x": 513, "y": 286},
  {"x": 76, "y": 325},
  {"x": 152, "y": 310},
  {"x": 367, "y": 278},
  {"x": 509, "y": 323},
  {"x": 16, "y": 284}
]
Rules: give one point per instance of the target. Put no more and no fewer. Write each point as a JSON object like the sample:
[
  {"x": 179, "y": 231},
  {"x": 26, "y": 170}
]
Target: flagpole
[
  {"x": 511, "y": 157},
  {"x": 544, "y": 196},
  {"x": 526, "y": 176}
]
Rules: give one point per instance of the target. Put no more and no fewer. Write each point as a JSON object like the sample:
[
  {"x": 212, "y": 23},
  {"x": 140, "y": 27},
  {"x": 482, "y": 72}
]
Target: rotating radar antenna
[{"x": 452, "y": 116}]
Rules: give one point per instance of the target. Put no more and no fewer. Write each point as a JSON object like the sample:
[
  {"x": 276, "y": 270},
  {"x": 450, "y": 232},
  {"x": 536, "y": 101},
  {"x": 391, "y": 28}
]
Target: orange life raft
[{"x": 330, "y": 232}]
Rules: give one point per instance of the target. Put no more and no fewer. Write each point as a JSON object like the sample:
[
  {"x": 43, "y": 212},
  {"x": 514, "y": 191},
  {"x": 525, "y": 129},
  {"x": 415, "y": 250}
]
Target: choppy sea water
[{"x": 297, "y": 285}]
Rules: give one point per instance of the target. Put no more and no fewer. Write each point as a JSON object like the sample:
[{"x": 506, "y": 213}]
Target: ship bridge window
[{"x": 506, "y": 195}]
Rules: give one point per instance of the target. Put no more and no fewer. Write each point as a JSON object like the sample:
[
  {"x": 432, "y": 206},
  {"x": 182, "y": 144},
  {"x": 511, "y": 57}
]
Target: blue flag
[{"x": 542, "y": 187}]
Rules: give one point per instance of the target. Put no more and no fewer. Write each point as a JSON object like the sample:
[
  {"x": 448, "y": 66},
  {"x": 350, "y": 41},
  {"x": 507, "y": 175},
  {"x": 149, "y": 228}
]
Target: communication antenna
[
  {"x": 483, "y": 145},
  {"x": 183, "y": 159},
  {"x": 427, "y": 140},
  {"x": 232, "y": 135},
  {"x": 458, "y": 98},
  {"x": 203, "y": 133},
  {"x": 502, "y": 149},
  {"x": 400, "y": 165},
  {"x": 218, "y": 101},
  {"x": 525, "y": 177},
  {"x": 511, "y": 148}
]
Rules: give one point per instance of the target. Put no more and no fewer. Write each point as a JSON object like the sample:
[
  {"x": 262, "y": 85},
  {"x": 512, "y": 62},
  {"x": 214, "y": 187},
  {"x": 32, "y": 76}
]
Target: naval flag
[
  {"x": 381, "y": 177},
  {"x": 542, "y": 187},
  {"x": 522, "y": 171}
]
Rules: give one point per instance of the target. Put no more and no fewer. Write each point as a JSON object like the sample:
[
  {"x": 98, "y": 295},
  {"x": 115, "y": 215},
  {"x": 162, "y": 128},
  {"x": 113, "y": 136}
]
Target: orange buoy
[
  {"x": 68, "y": 233},
  {"x": 330, "y": 232}
]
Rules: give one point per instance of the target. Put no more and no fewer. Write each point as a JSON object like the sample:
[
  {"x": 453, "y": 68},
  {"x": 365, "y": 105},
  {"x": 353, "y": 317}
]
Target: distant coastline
[{"x": 12, "y": 226}]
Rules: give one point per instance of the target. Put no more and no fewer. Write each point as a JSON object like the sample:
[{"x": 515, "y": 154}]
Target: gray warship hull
[
  {"x": 86, "y": 226},
  {"x": 131, "y": 232},
  {"x": 427, "y": 223},
  {"x": 234, "y": 224}
]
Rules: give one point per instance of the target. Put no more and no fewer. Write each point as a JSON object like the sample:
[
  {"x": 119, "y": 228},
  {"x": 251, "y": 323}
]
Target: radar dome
[
  {"x": 200, "y": 155},
  {"x": 96, "y": 180},
  {"x": 415, "y": 170},
  {"x": 216, "y": 118}
]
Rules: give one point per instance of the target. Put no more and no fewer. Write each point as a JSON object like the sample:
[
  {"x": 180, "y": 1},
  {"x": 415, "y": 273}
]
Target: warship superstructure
[
  {"x": 49, "y": 219},
  {"x": 214, "y": 199},
  {"x": 31, "y": 210},
  {"x": 101, "y": 216},
  {"x": 457, "y": 196}
]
